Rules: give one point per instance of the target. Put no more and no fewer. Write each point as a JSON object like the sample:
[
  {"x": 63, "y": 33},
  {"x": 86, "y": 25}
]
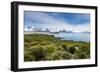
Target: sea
[{"x": 85, "y": 37}]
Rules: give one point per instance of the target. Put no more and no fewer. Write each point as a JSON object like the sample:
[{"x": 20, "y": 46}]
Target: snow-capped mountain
[{"x": 40, "y": 29}]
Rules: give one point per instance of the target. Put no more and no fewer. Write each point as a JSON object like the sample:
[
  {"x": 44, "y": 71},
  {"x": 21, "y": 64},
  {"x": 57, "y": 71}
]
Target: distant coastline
[
  {"x": 49, "y": 32},
  {"x": 37, "y": 32},
  {"x": 81, "y": 36}
]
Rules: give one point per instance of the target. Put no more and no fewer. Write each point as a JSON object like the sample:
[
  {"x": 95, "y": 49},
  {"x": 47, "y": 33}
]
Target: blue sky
[{"x": 78, "y": 22}]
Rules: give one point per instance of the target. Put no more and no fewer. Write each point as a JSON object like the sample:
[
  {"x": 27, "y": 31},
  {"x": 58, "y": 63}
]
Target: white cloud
[{"x": 53, "y": 23}]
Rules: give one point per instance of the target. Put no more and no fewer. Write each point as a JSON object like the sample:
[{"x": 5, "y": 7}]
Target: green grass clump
[{"x": 42, "y": 47}]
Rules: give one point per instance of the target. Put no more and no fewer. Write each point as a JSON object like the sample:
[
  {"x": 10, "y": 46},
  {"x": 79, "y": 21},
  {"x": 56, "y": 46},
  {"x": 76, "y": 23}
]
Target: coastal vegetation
[{"x": 43, "y": 47}]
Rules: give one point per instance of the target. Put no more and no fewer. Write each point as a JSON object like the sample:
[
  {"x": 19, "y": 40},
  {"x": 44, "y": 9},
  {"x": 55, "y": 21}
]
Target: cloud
[{"x": 45, "y": 20}]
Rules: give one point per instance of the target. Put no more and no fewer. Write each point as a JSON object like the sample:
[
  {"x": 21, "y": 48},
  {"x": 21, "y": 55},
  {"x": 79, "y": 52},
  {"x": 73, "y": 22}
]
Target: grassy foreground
[{"x": 42, "y": 47}]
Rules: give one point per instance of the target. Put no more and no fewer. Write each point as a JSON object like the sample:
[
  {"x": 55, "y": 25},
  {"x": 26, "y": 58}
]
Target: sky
[{"x": 76, "y": 22}]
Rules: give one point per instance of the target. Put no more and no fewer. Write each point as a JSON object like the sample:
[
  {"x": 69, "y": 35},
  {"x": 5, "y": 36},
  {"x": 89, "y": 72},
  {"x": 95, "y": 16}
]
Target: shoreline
[{"x": 60, "y": 38}]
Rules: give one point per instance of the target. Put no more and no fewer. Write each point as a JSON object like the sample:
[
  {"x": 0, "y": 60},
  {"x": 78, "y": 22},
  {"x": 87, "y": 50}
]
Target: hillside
[{"x": 42, "y": 47}]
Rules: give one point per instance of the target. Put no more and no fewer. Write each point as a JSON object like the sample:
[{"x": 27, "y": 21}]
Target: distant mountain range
[{"x": 39, "y": 29}]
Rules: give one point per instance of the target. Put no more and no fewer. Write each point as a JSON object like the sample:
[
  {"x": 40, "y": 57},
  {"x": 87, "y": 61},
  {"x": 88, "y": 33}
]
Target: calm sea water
[{"x": 74, "y": 36}]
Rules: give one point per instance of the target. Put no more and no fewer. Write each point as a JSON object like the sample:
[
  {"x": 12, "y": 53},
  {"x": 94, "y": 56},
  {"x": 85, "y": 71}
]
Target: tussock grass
[{"x": 42, "y": 47}]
